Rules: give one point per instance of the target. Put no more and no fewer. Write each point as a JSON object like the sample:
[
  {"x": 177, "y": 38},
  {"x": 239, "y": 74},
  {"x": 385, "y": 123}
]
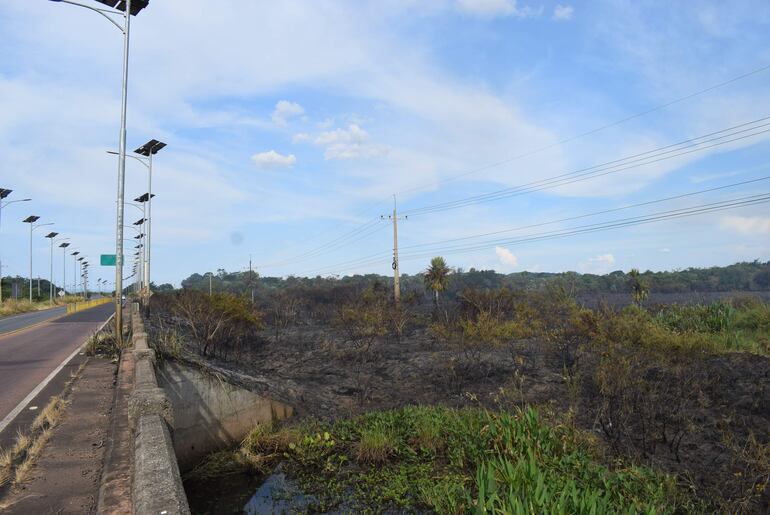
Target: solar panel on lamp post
[
  {"x": 146, "y": 152},
  {"x": 32, "y": 226},
  {"x": 145, "y": 200},
  {"x": 129, "y": 8},
  {"x": 51, "y": 236},
  {"x": 4, "y": 192},
  {"x": 149, "y": 149}
]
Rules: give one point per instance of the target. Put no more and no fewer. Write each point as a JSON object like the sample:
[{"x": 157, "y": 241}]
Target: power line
[
  {"x": 671, "y": 151},
  {"x": 623, "y": 221},
  {"x": 584, "y": 229},
  {"x": 367, "y": 229},
  {"x": 595, "y": 213},
  {"x": 592, "y": 131}
]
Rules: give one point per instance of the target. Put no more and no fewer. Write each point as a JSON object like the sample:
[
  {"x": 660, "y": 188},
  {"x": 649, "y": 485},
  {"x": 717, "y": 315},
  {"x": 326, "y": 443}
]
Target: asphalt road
[
  {"x": 27, "y": 357},
  {"x": 12, "y": 323}
]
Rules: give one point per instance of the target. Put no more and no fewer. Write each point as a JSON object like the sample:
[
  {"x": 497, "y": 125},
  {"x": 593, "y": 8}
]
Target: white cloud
[
  {"x": 300, "y": 137},
  {"x": 506, "y": 257},
  {"x": 491, "y": 8},
  {"x": 349, "y": 143},
  {"x": 750, "y": 225},
  {"x": 664, "y": 250},
  {"x": 563, "y": 12},
  {"x": 599, "y": 264},
  {"x": 285, "y": 110},
  {"x": 272, "y": 159}
]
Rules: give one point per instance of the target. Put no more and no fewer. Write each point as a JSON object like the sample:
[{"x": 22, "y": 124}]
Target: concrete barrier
[
  {"x": 74, "y": 307},
  {"x": 157, "y": 485}
]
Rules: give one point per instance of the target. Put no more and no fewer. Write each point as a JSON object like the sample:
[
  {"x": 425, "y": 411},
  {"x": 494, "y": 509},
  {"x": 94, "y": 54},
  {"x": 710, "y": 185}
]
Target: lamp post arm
[
  {"x": 103, "y": 12},
  {"x": 142, "y": 160}
]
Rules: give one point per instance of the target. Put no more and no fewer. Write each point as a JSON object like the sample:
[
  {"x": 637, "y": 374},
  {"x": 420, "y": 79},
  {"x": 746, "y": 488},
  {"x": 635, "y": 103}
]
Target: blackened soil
[{"x": 726, "y": 399}]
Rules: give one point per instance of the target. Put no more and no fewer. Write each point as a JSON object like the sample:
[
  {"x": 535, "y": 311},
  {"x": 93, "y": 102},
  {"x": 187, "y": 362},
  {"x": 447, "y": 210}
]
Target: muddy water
[{"x": 250, "y": 495}]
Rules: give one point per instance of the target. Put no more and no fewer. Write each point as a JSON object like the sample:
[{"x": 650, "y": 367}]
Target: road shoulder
[{"x": 66, "y": 478}]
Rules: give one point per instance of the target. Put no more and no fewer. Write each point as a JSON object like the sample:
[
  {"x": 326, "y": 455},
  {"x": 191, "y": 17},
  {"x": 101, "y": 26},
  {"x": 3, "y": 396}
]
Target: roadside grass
[
  {"x": 104, "y": 343},
  {"x": 21, "y": 444},
  {"x": 17, "y": 462},
  {"x": 460, "y": 460},
  {"x": 16, "y": 306}
]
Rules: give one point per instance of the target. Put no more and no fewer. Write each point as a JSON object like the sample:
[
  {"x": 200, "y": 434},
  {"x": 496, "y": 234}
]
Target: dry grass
[
  {"x": 50, "y": 416},
  {"x": 22, "y": 472},
  {"x": 6, "y": 458},
  {"x": 5, "y": 476},
  {"x": 17, "y": 463},
  {"x": 23, "y": 441}
]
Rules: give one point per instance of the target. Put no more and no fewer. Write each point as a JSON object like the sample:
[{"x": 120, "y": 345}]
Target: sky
[{"x": 291, "y": 125}]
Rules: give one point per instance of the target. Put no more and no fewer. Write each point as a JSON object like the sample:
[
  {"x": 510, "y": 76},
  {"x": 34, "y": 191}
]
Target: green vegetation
[
  {"x": 454, "y": 461},
  {"x": 748, "y": 276}
]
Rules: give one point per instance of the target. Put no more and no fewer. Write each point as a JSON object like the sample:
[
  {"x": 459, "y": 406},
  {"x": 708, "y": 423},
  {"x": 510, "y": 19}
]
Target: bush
[{"x": 219, "y": 323}]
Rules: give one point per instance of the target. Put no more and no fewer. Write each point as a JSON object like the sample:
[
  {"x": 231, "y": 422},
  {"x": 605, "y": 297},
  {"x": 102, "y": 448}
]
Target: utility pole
[
  {"x": 396, "y": 273},
  {"x": 210, "y": 274},
  {"x": 251, "y": 280}
]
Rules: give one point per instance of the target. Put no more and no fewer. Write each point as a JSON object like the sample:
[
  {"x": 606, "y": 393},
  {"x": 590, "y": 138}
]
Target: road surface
[
  {"x": 14, "y": 322},
  {"x": 29, "y": 356}
]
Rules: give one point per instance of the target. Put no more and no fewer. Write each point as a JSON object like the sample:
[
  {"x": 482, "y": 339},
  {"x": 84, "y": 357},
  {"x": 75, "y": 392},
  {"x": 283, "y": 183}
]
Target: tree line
[{"x": 744, "y": 276}]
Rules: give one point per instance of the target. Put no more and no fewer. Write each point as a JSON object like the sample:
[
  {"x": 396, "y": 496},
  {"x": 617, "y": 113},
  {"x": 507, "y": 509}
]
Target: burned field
[{"x": 681, "y": 390}]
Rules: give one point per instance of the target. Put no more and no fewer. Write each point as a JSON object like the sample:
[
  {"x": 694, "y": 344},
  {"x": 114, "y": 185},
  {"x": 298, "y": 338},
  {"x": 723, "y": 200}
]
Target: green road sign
[{"x": 108, "y": 260}]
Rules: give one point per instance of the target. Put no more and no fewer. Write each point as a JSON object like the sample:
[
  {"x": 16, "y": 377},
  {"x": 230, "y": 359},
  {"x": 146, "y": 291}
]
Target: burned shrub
[
  {"x": 219, "y": 323},
  {"x": 364, "y": 319}
]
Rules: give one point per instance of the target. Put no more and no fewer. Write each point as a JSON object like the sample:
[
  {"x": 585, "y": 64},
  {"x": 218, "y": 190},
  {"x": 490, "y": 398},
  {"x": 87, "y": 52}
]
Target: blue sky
[{"x": 291, "y": 123}]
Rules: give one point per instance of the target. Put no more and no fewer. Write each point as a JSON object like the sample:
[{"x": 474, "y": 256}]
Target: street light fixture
[
  {"x": 128, "y": 8},
  {"x": 4, "y": 192},
  {"x": 32, "y": 226}
]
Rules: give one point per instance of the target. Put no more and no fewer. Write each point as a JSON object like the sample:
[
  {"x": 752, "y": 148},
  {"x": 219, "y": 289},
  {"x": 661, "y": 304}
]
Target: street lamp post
[
  {"x": 129, "y": 7},
  {"x": 64, "y": 267},
  {"x": 32, "y": 226},
  {"x": 3, "y": 194},
  {"x": 75, "y": 272},
  {"x": 51, "y": 236},
  {"x": 144, "y": 200},
  {"x": 146, "y": 152}
]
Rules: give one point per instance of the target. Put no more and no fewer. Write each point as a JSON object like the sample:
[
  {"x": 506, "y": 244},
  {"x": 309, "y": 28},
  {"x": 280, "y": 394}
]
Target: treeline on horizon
[{"x": 744, "y": 276}]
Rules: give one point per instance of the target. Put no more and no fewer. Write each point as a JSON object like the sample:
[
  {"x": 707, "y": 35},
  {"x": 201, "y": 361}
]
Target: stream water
[{"x": 243, "y": 493}]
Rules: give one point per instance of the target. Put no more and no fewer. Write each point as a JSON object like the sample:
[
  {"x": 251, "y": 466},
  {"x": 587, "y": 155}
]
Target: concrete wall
[
  {"x": 177, "y": 415},
  {"x": 210, "y": 414}
]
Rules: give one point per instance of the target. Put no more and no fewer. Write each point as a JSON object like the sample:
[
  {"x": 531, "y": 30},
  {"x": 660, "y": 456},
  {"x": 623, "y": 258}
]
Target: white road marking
[{"x": 23, "y": 404}]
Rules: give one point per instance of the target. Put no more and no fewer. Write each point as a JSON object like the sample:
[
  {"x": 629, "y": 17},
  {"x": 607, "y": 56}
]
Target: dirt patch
[{"x": 66, "y": 477}]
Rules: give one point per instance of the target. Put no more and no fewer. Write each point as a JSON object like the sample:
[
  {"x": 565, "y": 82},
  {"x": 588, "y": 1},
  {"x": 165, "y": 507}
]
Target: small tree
[
  {"x": 436, "y": 278},
  {"x": 639, "y": 288},
  {"x": 218, "y": 323},
  {"x": 364, "y": 319}
]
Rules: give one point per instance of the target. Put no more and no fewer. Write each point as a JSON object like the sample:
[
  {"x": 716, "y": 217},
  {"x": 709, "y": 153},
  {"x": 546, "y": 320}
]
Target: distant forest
[{"x": 750, "y": 276}]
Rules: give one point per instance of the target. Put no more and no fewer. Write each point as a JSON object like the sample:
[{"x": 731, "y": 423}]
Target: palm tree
[
  {"x": 639, "y": 288},
  {"x": 436, "y": 277}
]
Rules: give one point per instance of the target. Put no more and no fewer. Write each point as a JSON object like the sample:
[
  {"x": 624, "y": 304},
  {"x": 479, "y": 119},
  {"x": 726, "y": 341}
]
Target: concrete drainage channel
[{"x": 178, "y": 414}]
